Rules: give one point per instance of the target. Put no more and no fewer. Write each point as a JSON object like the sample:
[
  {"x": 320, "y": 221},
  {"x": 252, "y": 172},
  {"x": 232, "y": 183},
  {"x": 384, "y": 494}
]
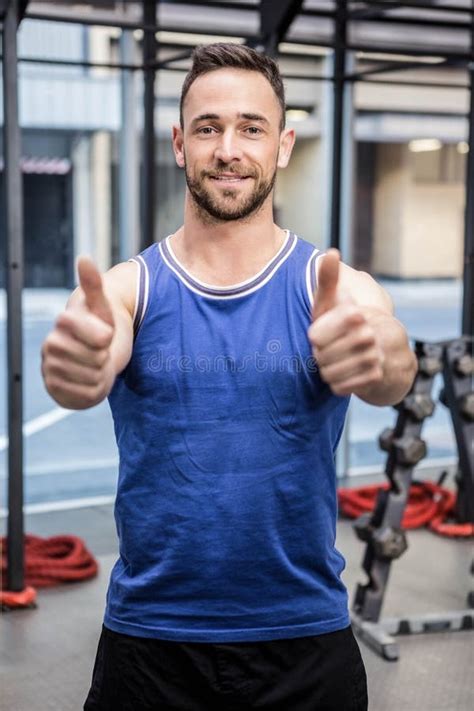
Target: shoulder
[
  {"x": 120, "y": 284},
  {"x": 363, "y": 288}
]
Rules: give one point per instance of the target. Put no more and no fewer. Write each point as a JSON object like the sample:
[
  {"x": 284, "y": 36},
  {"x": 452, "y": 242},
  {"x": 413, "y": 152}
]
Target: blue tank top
[{"x": 226, "y": 502}]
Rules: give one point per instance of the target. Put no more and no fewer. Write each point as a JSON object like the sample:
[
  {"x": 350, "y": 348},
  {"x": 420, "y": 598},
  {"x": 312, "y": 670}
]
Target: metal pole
[
  {"x": 337, "y": 138},
  {"x": 129, "y": 237},
  {"x": 348, "y": 168},
  {"x": 468, "y": 277},
  {"x": 337, "y": 133},
  {"x": 346, "y": 228},
  {"x": 149, "y": 140},
  {"x": 14, "y": 226}
]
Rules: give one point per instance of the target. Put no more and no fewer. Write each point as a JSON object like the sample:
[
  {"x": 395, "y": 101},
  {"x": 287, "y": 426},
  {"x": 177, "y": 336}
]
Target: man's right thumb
[{"x": 90, "y": 281}]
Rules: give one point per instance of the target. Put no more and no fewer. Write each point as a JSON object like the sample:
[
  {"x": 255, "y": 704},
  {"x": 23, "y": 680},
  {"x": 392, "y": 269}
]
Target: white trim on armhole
[
  {"x": 137, "y": 287},
  {"x": 312, "y": 279},
  {"x": 141, "y": 291}
]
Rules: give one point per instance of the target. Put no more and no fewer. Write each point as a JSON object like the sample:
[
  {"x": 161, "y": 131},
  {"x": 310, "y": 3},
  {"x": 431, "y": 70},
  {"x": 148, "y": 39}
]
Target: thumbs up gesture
[
  {"x": 344, "y": 343},
  {"x": 76, "y": 363}
]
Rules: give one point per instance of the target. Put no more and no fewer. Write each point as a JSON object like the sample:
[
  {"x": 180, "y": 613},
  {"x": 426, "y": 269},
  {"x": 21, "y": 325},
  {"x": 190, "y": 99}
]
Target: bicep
[
  {"x": 120, "y": 288},
  {"x": 122, "y": 342},
  {"x": 364, "y": 289}
]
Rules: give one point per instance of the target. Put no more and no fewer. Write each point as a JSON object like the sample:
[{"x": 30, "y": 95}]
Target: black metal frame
[
  {"x": 276, "y": 17},
  {"x": 149, "y": 144},
  {"x": 468, "y": 275},
  {"x": 273, "y": 30},
  {"x": 14, "y": 252}
]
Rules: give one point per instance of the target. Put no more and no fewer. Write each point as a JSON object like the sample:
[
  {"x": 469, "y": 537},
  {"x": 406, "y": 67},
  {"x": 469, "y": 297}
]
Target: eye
[
  {"x": 205, "y": 130},
  {"x": 253, "y": 130}
]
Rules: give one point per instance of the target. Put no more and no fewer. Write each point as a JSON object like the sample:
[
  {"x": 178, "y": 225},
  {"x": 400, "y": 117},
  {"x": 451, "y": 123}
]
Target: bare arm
[
  {"x": 397, "y": 360},
  {"x": 93, "y": 338},
  {"x": 361, "y": 348}
]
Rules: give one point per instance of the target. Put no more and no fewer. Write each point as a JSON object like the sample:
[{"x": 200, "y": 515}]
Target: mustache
[{"x": 247, "y": 173}]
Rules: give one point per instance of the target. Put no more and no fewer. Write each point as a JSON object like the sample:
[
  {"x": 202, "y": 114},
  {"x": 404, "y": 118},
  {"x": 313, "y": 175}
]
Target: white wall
[
  {"x": 418, "y": 226},
  {"x": 301, "y": 190}
]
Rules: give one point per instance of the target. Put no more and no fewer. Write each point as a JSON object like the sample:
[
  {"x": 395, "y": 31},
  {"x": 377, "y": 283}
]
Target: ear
[
  {"x": 178, "y": 145},
  {"x": 287, "y": 141}
]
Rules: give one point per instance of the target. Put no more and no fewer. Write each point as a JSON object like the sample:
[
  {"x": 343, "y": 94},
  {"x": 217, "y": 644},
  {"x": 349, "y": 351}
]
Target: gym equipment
[{"x": 381, "y": 529}]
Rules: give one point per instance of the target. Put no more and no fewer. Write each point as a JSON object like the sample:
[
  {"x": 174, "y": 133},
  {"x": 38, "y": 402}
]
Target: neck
[{"x": 224, "y": 253}]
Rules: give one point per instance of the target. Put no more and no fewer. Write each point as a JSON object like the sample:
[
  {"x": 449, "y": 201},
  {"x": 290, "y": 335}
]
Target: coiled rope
[
  {"x": 428, "y": 505},
  {"x": 48, "y": 562}
]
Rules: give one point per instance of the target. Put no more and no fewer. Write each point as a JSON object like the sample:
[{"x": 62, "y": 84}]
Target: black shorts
[{"x": 318, "y": 673}]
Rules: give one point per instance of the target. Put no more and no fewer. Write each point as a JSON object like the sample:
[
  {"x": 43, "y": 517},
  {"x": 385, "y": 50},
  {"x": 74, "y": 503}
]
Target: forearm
[{"x": 399, "y": 365}]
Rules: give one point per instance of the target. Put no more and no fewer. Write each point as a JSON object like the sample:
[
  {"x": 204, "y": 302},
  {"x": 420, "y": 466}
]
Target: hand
[
  {"x": 343, "y": 341},
  {"x": 76, "y": 363}
]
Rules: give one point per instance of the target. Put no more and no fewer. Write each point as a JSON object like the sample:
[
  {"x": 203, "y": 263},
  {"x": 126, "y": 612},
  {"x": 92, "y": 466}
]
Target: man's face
[{"x": 231, "y": 143}]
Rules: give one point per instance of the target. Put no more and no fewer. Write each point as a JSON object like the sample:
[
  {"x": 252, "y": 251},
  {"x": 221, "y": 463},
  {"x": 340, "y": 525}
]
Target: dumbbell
[
  {"x": 429, "y": 365},
  {"x": 418, "y": 405},
  {"x": 466, "y": 406},
  {"x": 409, "y": 450},
  {"x": 386, "y": 439},
  {"x": 389, "y": 543},
  {"x": 362, "y": 527},
  {"x": 464, "y": 365}
]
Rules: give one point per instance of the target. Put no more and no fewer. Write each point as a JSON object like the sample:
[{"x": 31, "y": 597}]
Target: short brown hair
[{"x": 220, "y": 55}]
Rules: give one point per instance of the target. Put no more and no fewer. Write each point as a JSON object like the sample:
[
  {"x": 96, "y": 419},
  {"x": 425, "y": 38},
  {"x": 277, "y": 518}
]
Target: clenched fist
[
  {"x": 344, "y": 343},
  {"x": 76, "y": 363}
]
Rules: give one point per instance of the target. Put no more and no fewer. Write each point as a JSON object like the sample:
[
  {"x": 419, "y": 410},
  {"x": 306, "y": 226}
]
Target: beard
[{"x": 229, "y": 205}]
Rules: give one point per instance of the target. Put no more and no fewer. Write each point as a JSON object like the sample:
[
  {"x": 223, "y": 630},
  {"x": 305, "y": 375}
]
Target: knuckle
[
  {"x": 103, "y": 357},
  {"x": 351, "y": 313},
  {"x": 366, "y": 335},
  {"x": 350, "y": 310},
  {"x": 323, "y": 371},
  {"x": 96, "y": 378},
  {"x": 52, "y": 384},
  {"x": 376, "y": 375},
  {"x": 102, "y": 340},
  {"x": 50, "y": 368},
  {"x": 379, "y": 373},
  {"x": 44, "y": 351},
  {"x": 53, "y": 344},
  {"x": 98, "y": 360},
  {"x": 64, "y": 319},
  {"x": 371, "y": 358},
  {"x": 57, "y": 365},
  {"x": 48, "y": 344},
  {"x": 320, "y": 361}
]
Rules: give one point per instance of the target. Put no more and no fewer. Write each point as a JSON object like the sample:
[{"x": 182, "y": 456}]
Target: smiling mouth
[{"x": 229, "y": 178}]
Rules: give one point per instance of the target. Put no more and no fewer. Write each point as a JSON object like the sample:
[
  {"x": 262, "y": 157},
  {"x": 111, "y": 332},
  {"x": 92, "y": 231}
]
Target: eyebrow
[
  {"x": 245, "y": 115},
  {"x": 255, "y": 117},
  {"x": 205, "y": 117}
]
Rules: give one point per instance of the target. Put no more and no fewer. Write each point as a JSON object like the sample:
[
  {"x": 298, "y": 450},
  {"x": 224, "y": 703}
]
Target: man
[{"x": 228, "y": 383}]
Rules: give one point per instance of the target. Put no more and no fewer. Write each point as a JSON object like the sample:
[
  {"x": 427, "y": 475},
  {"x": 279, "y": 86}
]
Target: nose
[{"x": 227, "y": 149}]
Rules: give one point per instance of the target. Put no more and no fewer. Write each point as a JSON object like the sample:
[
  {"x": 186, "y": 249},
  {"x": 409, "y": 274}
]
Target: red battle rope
[
  {"x": 48, "y": 562},
  {"x": 428, "y": 505}
]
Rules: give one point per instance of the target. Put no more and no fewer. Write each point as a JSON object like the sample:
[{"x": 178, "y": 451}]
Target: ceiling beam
[{"x": 276, "y": 17}]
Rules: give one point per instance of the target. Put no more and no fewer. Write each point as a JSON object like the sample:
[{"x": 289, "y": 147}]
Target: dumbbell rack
[{"x": 381, "y": 529}]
